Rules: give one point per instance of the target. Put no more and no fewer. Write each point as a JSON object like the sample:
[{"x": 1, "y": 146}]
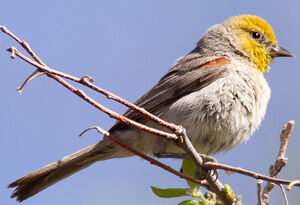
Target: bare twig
[
  {"x": 151, "y": 160},
  {"x": 24, "y": 44},
  {"x": 215, "y": 185},
  {"x": 293, "y": 183},
  {"x": 284, "y": 194},
  {"x": 52, "y": 73},
  {"x": 30, "y": 78},
  {"x": 214, "y": 165},
  {"x": 259, "y": 182},
  {"x": 281, "y": 160},
  {"x": 83, "y": 81}
]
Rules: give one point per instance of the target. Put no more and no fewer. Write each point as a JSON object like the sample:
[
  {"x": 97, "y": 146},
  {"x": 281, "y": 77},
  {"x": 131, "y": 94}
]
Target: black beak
[{"x": 277, "y": 51}]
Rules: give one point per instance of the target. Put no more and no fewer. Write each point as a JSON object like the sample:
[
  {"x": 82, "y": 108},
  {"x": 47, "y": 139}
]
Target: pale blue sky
[{"x": 127, "y": 46}]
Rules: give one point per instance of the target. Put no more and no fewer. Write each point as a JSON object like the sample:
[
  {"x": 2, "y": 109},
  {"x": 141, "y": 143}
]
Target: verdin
[{"x": 217, "y": 92}]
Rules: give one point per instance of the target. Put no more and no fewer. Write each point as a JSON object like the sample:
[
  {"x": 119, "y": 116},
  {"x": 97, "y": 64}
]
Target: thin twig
[
  {"x": 214, "y": 165},
  {"x": 259, "y": 182},
  {"x": 293, "y": 183},
  {"x": 284, "y": 194},
  {"x": 84, "y": 81},
  {"x": 151, "y": 160},
  {"x": 52, "y": 73},
  {"x": 24, "y": 44},
  {"x": 281, "y": 160},
  {"x": 110, "y": 95},
  {"x": 30, "y": 78},
  {"x": 215, "y": 185},
  {"x": 42, "y": 68}
]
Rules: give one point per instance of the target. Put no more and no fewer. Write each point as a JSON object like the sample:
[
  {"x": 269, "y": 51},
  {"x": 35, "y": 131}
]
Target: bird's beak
[{"x": 277, "y": 51}]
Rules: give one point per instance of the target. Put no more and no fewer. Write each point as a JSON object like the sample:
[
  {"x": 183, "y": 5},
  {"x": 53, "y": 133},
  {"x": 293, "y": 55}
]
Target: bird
[{"x": 217, "y": 92}]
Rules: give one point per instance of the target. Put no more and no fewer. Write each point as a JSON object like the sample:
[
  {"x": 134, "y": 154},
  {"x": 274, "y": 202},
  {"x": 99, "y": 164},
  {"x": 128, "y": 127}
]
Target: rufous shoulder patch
[{"x": 217, "y": 62}]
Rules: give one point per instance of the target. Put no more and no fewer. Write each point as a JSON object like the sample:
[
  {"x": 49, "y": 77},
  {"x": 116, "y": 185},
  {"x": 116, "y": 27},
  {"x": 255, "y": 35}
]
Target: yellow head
[{"x": 256, "y": 39}]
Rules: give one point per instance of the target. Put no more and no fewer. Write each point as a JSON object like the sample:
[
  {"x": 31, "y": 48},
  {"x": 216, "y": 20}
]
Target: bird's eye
[{"x": 255, "y": 34}]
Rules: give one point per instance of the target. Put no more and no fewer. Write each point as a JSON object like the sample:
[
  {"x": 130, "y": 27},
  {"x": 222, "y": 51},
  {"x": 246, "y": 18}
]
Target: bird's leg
[
  {"x": 171, "y": 155},
  {"x": 212, "y": 172},
  {"x": 159, "y": 150}
]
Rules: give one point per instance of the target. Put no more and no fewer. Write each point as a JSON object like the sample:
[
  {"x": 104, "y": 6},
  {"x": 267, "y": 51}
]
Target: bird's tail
[{"x": 40, "y": 179}]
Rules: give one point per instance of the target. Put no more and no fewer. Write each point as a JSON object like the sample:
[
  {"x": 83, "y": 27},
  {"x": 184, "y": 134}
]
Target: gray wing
[{"x": 189, "y": 74}]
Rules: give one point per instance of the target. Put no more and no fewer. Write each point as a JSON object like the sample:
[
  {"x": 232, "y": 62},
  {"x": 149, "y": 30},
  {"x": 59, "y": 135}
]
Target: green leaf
[
  {"x": 169, "y": 193},
  {"x": 229, "y": 192},
  {"x": 189, "y": 168},
  {"x": 189, "y": 202}
]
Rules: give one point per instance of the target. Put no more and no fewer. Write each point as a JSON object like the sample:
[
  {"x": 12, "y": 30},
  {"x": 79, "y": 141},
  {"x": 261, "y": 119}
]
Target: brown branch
[
  {"x": 83, "y": 81},
  {"x": 281, "y": 160},
  {"x": 24, "y": 44},
  {"x": 214, "y": 165},
  {"x": 52, "y": 73},
  {"x": 215, "y": 185},
  {"x": 170, "y": 126},
  {"x": 149, "y": 159}
]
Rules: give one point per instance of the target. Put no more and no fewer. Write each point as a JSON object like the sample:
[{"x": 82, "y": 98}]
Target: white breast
[{"x": 225, "y": 113}]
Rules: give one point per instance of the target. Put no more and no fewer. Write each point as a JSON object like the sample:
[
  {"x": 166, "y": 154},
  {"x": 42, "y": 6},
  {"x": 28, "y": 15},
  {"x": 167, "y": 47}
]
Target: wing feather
[{"x": 189, "y": 74}]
